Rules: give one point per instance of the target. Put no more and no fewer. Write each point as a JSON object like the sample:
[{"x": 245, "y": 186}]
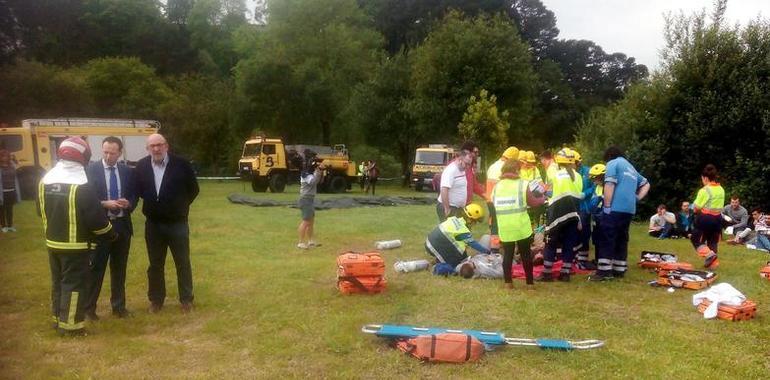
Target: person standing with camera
[{"x": 310, "y": 176}]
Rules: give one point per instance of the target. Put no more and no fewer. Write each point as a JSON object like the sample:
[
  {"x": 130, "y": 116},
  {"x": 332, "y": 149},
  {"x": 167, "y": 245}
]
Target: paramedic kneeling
[{"x": 448, "y": 240}]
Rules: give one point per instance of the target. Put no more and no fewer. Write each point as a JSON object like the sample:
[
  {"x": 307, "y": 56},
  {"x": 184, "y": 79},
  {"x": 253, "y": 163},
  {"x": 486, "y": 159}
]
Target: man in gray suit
[{"x": 112, "y": 182}]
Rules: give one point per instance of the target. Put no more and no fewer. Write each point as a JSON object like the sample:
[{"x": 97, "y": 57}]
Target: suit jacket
[
  {"x": 177, "y": 190},
  {"x": 95, "y": 174}
]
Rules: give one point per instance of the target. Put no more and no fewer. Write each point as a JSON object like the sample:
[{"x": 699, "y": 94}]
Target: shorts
[{"x": 306, "y": 207}]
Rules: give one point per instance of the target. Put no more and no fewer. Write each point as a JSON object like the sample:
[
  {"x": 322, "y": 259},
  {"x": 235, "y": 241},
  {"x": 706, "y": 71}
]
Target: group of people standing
[
  {"x": 368, "y": 175},
  {"x": 575, "y": 204},
  {"x": 86, "y": 210}
]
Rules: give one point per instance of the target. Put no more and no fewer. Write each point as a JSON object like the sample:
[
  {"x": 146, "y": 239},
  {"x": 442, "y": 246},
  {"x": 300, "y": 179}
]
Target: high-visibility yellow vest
[
  {"x": 550, "y": 173},
  {"x": 565, "y": 186},
  {"x": 530, "y": 174},
  {"x": 510, "y": 200},
  {"x": 711, "y": 199},
  {"x": 452, "y": 227}
]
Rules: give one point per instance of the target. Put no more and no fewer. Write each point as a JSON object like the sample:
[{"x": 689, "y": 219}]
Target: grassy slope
[{"x": 266, "y": 309}]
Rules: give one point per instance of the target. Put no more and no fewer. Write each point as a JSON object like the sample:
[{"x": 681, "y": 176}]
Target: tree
[
  {"x": 125, "y": 87},
  {"x": 301, "y": 68},
  {"x": 406, "y": 23},
  {"x": 35, "y": 90},
  {"x": 536, "y": 24},
  {"x": 484, "y": 125},
  {"x": 200, "y": 110},
  {"x": 378, "y": 110},
  {"x": 10, "y": 33},
  {"x": 177, "y": 11},
  {"x": 708, "y": 105},
  {"x": 212, "y": 25},
  {"x": 459, "y": 58}
]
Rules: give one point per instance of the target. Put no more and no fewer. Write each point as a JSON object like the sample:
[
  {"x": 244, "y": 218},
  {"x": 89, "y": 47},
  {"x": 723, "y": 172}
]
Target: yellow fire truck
[
  {"x": 429, "y": 161},
  {"x": 33, "y": 145},
  {"x": 268, "y": 163}
]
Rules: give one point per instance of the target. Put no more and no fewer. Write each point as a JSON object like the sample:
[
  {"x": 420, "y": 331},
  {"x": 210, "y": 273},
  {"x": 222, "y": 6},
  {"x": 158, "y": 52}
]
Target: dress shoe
[
  {"x": 600, "y": 277},
  {"x": 121, "y": 313},
  {"x": 91, "y": 316},
  {"x": 155, "y": 308},
  {"x": 618, "y": 274},
  {"x": 186, "y": 308},
  {"x": 544, "y": 277},
  {"x": 563, "y": 277}
]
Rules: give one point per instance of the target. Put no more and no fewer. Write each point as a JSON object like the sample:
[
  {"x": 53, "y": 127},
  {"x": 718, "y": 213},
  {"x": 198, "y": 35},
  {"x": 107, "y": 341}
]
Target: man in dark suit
[
  {"x": 168, "y": 186},
  {"x": 112, "y": 181}
]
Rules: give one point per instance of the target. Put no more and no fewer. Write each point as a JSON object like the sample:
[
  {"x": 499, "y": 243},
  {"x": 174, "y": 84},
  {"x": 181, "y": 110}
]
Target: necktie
[{"x": 114, "y": 193}]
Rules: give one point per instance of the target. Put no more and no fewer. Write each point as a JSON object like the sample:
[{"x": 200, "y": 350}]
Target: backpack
[{"x": 443, "y": 348}]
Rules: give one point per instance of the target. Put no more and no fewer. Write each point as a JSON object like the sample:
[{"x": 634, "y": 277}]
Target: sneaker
[
  {"x": 312, "y": 244},
  {"x": 11, "y": 229},
  {"x": 586, "y": 265},
  {"x": 5, "y": 229},
  {"x": 711, "y": 262},
  {"x": 751, "y": 246},
  {"x": 544, "y": 277},
  {"x": 122, "y": 313},
  {"x": 302, "y": 246},
  {"x": 563, "y": 277},
  {"x": 600, "y": 277}
]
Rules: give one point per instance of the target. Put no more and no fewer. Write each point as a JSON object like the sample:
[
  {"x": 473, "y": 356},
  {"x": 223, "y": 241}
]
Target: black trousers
[
  {"x": 69, "y": 286},
  {"x": 6, "y": 209},
  {"x": 526, "y": 259},
  {"x": 708, "y": 230},
  {"x": 116, "y": 253},
  {"x": 160, "y": 237}
]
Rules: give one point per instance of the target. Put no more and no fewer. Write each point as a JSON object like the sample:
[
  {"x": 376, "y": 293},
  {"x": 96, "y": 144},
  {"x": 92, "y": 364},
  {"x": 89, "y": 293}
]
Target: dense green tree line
[
  {"x": 382, "y": 75},
  {"x": 709, "y": 104}
]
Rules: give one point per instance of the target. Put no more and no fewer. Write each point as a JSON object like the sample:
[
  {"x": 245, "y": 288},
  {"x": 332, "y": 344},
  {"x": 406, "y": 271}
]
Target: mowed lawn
[{"x": 265, "y": 309}]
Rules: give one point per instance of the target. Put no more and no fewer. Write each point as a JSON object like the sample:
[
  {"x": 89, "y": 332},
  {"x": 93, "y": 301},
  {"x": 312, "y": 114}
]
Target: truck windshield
[
  {"x": 430, "y": 158},
  {"x": 252, "y": 150}
]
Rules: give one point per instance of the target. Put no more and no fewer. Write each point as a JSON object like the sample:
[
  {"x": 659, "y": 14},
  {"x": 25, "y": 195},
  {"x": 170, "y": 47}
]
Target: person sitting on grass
[
  {"x": 448, "y": 241},
  {"x": 735, "y": 215},
  {"x": 684, "y": 221},
  {"x": 662, "y": 223},
  {"x": 761, "y": 223}
]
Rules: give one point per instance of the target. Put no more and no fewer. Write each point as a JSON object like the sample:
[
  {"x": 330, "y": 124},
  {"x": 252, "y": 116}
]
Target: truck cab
[{"x": 429, "y": 161}]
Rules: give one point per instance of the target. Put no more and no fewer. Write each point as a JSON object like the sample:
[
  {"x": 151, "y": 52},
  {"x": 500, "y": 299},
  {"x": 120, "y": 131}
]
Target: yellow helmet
[
  {"x": 577, "y": 155},
  {"x": 474, "y": 211},
  {"x": 512, "y": 153},
  {"x": 597, "y": 170},
  {"x": 565, "y": 156},
  {"x": 527, "y": 156}
]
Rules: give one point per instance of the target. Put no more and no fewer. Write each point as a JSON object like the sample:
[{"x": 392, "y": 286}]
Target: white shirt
[
  {"x": 657, "y": 220},
  {"x": 159, "y": 171},
  {"x": 454, "y": 179},
  {"x": 107, "y": 182}
]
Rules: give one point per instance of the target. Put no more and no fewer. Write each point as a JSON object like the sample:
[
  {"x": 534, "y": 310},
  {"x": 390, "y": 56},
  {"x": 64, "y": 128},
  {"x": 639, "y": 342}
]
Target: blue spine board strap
[
  {"x": 401, "y": 331},
  {"x": 554, "y": 344}
]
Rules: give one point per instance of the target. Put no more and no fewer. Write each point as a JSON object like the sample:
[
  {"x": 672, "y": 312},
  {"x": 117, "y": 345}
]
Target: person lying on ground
[{"x": 481, "y": 266}]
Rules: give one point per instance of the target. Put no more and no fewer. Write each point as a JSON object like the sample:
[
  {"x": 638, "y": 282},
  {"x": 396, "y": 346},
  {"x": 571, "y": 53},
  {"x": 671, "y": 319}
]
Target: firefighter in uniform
[
  {"x": 73, "y": 219},
  {"x": 447, "y": 242},
  {"x": 562, "y": 219}
]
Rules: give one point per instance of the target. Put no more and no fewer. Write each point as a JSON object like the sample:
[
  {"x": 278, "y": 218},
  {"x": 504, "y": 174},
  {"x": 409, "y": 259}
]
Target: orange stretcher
[{"x": 746, "y": 311}]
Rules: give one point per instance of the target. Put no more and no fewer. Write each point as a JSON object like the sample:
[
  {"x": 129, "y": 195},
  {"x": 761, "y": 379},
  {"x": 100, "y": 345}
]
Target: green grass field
[{"x": 265, "y": 309}]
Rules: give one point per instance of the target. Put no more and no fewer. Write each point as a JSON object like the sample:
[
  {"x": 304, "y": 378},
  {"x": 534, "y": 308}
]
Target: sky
[{"x": 635, "y": 27}]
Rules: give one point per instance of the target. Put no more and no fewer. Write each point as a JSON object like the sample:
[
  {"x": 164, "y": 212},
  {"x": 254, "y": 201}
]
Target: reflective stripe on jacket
[
  {"x": 72, "y": 216},
  {"x": 510, "y": 200}
]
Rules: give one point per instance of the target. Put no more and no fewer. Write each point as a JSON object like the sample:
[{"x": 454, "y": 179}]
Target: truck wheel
[
  {"x": 418, "y": 187},
  {"x": 258, "y": 185},
  {"x": 338, "y": 184},
  {"x": 277, "y": 183}
]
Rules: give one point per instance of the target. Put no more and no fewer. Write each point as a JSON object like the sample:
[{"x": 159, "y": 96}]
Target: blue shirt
[
  {"x": 627, "y": 181},
  {"x": 588, "y": 190}
]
